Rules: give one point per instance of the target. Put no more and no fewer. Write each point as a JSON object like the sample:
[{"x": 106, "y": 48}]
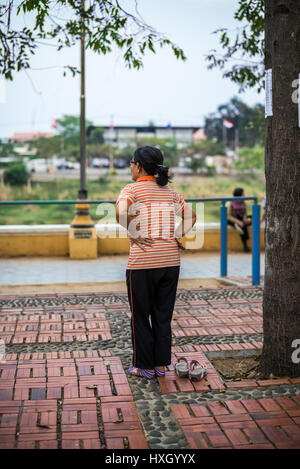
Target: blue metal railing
[
  {"x": 223, "y": 237},
  {"x": 255, "y": 238}
]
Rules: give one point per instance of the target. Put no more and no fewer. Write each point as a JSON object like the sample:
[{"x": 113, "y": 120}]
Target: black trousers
[
  {"x": 151, "y": 295},
  {"x": 245, "y": 235}
]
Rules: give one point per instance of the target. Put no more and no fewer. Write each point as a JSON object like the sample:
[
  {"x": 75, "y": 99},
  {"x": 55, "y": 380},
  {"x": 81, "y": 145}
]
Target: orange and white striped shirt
[{"x": 157, "y": 207}]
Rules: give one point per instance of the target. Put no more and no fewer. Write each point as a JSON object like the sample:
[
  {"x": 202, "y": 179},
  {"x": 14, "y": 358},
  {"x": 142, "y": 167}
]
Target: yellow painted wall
[
  {"x": 57, "y": 244},
  {"x": 34, "y": 245}
]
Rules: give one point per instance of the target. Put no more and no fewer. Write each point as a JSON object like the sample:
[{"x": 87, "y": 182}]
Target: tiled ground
[
  {"x": 64, "y": 382},
  {"x": 245, "y": 424},
  {"x": 63, "y": 270},
  {"x": 47, "y": 328},
  {"x": 46, "y": 401}
]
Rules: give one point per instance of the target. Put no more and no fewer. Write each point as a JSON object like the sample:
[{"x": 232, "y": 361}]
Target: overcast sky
[{"x": 165, "y": 90}]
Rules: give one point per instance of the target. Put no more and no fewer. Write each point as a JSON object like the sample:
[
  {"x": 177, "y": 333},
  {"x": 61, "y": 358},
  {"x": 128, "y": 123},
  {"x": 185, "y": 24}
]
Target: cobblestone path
[{"x": 64, "y": 380}]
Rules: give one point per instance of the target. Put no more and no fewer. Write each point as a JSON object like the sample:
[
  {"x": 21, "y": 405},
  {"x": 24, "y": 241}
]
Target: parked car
[
  {"x": 67, "y": 165},
  {"x": 63, "y": 165},
  {"x": 100, "y": 163},
  {"x": 121, "y": 163},
  {"x": 76, "y": 165},
  {"x": 37, "y": 165}
]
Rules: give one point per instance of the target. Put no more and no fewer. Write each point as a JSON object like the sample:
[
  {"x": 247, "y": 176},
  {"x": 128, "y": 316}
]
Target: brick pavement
[
  {"x": 245, "y": 424},
  {"x": 69, "y": 326},
  {"x": 54, "y": 394}
]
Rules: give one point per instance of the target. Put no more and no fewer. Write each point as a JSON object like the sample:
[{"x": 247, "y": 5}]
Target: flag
[
  {"x": 54, "y": 124},
  {"x": 227, "y": 124}
]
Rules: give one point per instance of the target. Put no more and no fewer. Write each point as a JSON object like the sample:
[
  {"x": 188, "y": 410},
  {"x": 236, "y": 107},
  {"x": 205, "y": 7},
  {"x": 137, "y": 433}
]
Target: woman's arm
[
  {"x": 188, "y": 220},
  {"x": 124, "y": 219},
  {"x": 122, "y": 216}
]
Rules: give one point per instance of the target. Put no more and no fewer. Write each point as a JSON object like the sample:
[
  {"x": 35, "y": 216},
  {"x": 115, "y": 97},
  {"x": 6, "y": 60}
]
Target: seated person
[{"x": 237, "y": 216}]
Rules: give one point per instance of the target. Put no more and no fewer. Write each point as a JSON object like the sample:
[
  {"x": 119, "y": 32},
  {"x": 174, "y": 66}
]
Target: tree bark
[{"x": 281, "y": 297}]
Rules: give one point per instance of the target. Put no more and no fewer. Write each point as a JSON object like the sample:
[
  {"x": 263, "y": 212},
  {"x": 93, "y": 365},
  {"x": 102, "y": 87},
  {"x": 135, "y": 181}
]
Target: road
[{"x": 95, "y": 173}]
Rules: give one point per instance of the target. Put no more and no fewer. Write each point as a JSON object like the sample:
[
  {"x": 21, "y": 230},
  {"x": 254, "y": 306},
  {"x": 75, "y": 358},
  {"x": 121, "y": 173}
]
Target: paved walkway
[
  {"x": 64, "y": 383},
  {"x": 59, "y": 270}
]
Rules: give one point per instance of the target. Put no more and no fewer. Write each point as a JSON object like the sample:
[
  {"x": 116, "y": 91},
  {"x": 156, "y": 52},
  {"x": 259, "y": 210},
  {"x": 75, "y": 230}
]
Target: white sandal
[
  {"x": 197, "y": 371},
  {"x": 182, "y": 369}
]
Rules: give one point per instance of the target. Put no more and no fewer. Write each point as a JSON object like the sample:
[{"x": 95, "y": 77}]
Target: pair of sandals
[
  {"x": 195, "y": 372},
  {"x": 142, "y": 373}
]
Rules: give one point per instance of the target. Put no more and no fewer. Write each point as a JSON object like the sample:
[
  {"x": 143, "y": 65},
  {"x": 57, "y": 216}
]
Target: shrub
[
  {"x": 195, "y": 164},
  {"x": 16, "y": 174},
  {"x": 251, "y": 158},
  {"x": 211, "y": 170}
]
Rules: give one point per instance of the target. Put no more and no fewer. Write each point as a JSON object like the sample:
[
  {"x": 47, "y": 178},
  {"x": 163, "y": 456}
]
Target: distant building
[
  {"x": 24, "y": 150},
  {"x": 130, "y": 134},
  {"x": 221, "y": 163},
  {"x": 22, "y": 137},
  {"x": 199, "y": 135}
]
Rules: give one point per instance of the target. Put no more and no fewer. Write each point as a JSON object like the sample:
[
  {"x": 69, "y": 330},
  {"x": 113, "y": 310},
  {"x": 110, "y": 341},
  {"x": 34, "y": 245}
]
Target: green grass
[{"x": 108, "y": 188}]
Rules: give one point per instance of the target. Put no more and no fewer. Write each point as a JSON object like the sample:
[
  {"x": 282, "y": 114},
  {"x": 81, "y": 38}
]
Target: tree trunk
[{"x": 281, "y": 297}]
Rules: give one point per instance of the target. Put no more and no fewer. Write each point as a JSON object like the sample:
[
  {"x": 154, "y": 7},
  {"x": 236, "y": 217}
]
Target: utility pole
[
  {"x": 111, "y": 139},
  {"x": 236, "y": 138},
  {"x": 82, "y": 193},
  {"x": 83, "y": 241},
  {"x": 224, "y": 134}
]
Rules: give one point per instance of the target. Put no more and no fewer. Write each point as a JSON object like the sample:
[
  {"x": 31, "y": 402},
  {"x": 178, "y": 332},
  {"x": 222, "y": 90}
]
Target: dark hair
[
  {"x": 151, "y": 159},
  {"x": 238, "y": 191}
]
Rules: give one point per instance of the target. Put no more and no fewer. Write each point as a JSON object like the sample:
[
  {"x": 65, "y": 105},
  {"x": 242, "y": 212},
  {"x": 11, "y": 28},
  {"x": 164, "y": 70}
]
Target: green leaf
[{"x": 120, "y": 29}]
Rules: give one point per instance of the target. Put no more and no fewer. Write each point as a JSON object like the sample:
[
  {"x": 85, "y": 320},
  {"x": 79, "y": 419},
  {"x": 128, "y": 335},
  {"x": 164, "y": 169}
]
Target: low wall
[{"x": 52, "y": 240}]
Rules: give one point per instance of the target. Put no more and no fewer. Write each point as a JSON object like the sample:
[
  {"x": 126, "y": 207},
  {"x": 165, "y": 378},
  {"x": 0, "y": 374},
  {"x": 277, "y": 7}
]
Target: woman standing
[{"x": 147, "y": 208}]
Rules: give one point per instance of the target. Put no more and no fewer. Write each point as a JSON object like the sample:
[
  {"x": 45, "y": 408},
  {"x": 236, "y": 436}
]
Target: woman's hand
[
  {"x": 181, "y": 246},
  {"x": 141, "y": 242}
]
